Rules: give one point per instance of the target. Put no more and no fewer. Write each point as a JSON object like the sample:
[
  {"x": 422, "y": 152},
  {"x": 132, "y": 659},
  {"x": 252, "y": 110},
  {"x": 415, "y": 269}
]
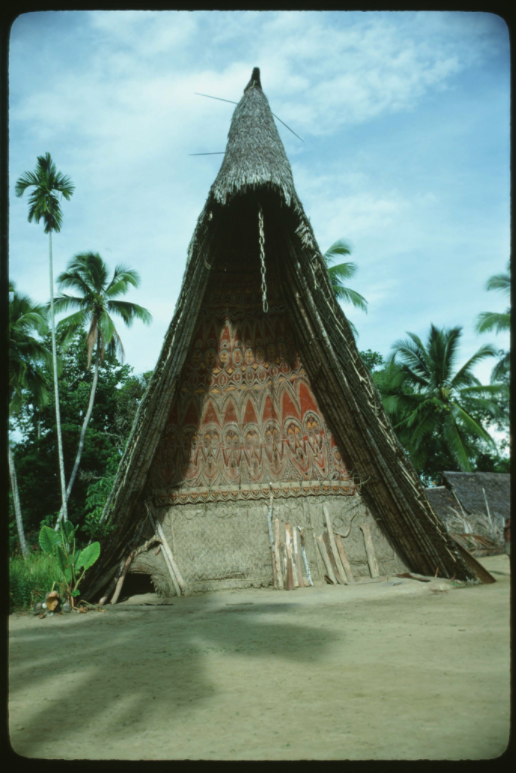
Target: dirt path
[{"x": 379, "y": 671}]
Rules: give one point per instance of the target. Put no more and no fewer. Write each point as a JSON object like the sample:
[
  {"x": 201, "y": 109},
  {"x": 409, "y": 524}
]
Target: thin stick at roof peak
[{"x": 236, "y": 103}]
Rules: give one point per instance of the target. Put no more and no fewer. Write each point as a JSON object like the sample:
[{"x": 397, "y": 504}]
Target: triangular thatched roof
[
  {"x": 472, "y": 489},
  {"x": 256, "y": 170}
]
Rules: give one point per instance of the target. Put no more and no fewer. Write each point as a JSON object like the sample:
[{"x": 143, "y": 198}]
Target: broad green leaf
[
  {"x": 68, "y": 574},
  {"x": 68, "y": 530},
  {"x": 76, "y": 593},
  {"x": 77, "y": 559},
  {"x": 61, "y": 557},
  {"x": 89, "y": 555},
  {"x": 48, "y": 539}
]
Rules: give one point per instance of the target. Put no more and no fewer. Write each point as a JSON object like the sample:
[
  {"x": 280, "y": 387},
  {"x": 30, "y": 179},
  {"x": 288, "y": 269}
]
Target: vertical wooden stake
[
  {"x": 344, "y": 558},
  {"x": 303, "y": 552},
  {"x": 279, "y": 572},
  {"x": 335, "y": 552},
  {"x": 290, "y": 562},
  {"x": 298, "y": 559},
  {"x": 326, "y": 559},
  {"x": 371, "y": 555}
]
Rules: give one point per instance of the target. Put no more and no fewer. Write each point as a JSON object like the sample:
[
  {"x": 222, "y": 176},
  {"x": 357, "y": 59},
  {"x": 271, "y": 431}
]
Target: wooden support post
[
  {"x": 291, "y": 574},
  {"x": 371, "y": 555},
  {"x": 271, "y": 543},
  {"x": 326, "y": 559},
  {"x": 344, "y": 558},
  {"x": 303, "y": 553},
  {"x": 121, "y": 579},
  {"x": 298, "y": 559},
  {"x": 167, "y": 554},
  {"x": 488, "y": 510},
  {"x": 279, "y": 571},
  {"x": 336, "y": 555},
  {"x": 333, "y": 563}
]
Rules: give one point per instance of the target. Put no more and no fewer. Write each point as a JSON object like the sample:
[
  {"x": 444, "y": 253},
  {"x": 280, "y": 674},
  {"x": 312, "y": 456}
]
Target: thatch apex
[
  {"x": 255, "y": 157},
  {"x": 254, "y": 81}
]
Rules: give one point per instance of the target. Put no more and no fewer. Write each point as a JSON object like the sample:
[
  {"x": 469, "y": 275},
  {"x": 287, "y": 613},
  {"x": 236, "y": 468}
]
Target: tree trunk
[
  {"x": 64, "y": 510},
  {"x": 84, "y": 424},
  {"x": 16, "y": 499}
]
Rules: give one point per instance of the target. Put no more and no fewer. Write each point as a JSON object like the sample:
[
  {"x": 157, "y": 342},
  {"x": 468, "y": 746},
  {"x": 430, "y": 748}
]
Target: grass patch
[{"x": 31, "y": 579}]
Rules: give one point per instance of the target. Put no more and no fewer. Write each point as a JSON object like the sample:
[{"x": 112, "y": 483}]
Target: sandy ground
[{"x": 376, "y": 671}]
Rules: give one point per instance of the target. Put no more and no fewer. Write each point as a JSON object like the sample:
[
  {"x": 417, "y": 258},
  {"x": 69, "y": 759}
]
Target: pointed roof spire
[
  {"x": 255, "y": 156},
  {"x": 255, "y": 80}
]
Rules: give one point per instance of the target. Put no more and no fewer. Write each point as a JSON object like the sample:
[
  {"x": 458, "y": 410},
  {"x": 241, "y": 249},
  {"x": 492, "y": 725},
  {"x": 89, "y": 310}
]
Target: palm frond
[
  {"x": 470, "y": 424},
  {"x": 499, "y": 282},
  {"x": 68, "y": 326},
  {"x": 491, "y": 320},
  {"x": 129, "y": 311},
  {"x": 64, "y": 302},
  {"x": 502, "y": 368},
  {"x": 464, "y": 375},
  {"x": 457, "y": 443},
  {"x": 122, "y": 278},
  {"x": 337, "y": 249}
]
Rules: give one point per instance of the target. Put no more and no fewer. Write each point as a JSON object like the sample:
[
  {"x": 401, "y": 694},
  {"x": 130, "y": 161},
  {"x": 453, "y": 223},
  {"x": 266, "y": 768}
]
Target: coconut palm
[
  {"x": 26, "y": 355},
  {"x": 428, "y": 396},
  {"x": 342, "y": 272},
  {"x": 499, "y": 322},
  {"x": 97, "y": 299},
  {"x": 48, "y": 185}
]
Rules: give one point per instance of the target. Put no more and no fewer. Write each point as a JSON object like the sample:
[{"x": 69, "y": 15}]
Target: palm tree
[
  {"x": 341, "y": 273},
  {"x": 44, "y": 205},
  {"x": 490, "y": 320},
  {"x": 428, "y": 397},
  {"x": 26, "y": 354},
  {"x": 97, "y": 299}
]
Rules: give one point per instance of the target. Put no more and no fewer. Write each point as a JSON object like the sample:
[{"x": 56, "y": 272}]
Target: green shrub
[{"x": 31, "y": 580}]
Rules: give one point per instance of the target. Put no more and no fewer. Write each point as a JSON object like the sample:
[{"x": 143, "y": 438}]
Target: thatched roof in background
[
  {"x": 469, "y": 488},
  {"x": 255, "y": 164},
  {"x": 442, "y": 500}
]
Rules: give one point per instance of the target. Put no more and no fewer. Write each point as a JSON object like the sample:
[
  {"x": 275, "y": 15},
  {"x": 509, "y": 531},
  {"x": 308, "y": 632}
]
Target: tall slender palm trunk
[
  {"x": 85, "y": 423},
  {"x": 64, "y": 510},
  {"x": 17, "y": 508}
]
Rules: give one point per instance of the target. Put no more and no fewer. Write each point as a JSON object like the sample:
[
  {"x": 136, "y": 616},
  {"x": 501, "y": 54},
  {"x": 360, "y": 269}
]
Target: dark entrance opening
[{"x": 135, "y": 584}]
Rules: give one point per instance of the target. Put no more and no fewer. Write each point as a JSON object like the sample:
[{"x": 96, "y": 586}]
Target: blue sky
[{"x": 405, "y": 122}]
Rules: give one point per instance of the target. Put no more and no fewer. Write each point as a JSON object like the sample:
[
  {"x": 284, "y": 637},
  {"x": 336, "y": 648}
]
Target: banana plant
[{"x": 61, "y": 544}]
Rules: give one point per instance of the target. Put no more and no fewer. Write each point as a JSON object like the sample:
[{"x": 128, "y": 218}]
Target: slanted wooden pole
[
  {"x": 121, "y": 579},
  {"x": 488, "y": 510},
  {"x": 335, "y": 552},
  {"x": 303, "y": 553},
  {"x": 298, "y": 558},
  {"x": 279, "y": 571},
  {"x": 333, "y": 563},
  {"x": 371, "y": 555},
  {"x": 326, "y": 559},
  {"x": 291, "y": 574},
  {"x": 344, "y": 558},
  {"x": 179, "y": 584}
]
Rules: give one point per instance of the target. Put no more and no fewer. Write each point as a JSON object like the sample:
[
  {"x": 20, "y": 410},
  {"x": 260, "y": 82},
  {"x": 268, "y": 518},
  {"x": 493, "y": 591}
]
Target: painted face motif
[
  {"x": 224, "y": 358},
  {"x": 209, "y": 358},
  {"x": 249, "y": 356},
  {"x": 271, "y": 352}
]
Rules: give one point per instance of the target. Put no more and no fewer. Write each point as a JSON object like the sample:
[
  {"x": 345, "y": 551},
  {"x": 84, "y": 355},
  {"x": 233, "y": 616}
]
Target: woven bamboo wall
[{"x": 226, "y": 544}]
